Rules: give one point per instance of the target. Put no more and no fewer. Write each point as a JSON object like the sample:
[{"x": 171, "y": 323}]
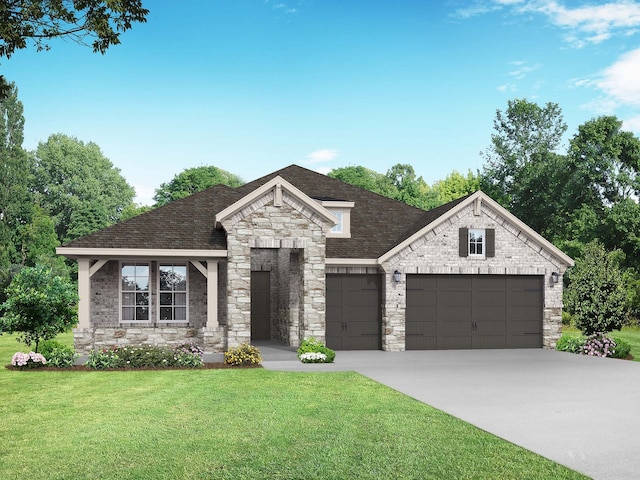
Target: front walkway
[{"x": 580, "y": 411}]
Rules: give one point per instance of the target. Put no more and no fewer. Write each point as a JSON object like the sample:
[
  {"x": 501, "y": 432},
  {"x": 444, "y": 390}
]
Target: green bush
[
  {"x": 145, "y": 356},
  {"x": 47, "y": 346},
  {"x": 61, "y": 357},
  {"x": 568, "y": 343},
  {"x": 622, "y": 349},
  {"x": 566, "y": 318},
  {"x": 244, "y": 355},
  {"x": 311, "y": 345}
]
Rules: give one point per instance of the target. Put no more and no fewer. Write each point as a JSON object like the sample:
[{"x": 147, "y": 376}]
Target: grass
[
  {"x": 630, "y": 334},
  {"x": 228, "y": 424}
]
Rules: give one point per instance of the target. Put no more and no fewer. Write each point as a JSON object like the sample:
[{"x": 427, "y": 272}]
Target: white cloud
[
  {"x": 324, "y": 155},
  {"x": 522, "y": 69},
  {"x": 621, "y": 81},
  {"x": 144, "y": 195},
  {"x": 632, "y": 124}
]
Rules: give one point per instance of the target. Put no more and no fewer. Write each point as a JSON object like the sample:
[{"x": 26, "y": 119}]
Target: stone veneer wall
[
  {"x": 437, "y": 253},
  {"x": 292, "y": 225},
  {"x": 107, "y": 331}
]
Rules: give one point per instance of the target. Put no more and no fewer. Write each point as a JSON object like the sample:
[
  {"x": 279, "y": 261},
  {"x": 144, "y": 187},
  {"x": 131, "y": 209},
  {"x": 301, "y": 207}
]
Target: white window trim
[
  {"x": 343, "y": 208},
  {"x": 181, "y": 264},
  {"x": 121, "y": 306},
  {"x": 484, "y": 243}
]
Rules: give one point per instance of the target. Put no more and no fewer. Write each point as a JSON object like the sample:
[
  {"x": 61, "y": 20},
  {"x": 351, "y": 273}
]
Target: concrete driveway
[{"x": 582, "y": 412}]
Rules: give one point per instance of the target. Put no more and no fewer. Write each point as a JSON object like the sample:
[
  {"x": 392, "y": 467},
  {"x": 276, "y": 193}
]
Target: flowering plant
[
  {"x": 313, "y": 357},
  {"x": 599, "y": 345},
  {"x": 28, "y": 360}
]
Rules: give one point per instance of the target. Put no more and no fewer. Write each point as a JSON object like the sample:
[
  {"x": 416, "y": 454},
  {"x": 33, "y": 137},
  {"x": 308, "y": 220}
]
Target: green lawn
[
  {"x": 630, "y": 334},
  {"x": 229, "y": 424}
]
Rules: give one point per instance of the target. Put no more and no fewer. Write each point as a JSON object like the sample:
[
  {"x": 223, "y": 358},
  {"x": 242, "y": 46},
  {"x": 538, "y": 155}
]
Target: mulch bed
[{"x": 82, "y": 368}]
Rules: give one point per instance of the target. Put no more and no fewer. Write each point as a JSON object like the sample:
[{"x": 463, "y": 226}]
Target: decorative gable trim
[
  {"x": 523, "y": 231},
  {"x": 276, "y": 189}
]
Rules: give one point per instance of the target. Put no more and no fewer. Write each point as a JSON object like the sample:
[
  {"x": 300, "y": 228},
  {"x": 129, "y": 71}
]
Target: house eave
[
  {"x": 352, "y": 262},
  {"x": 96, "y": 253}
]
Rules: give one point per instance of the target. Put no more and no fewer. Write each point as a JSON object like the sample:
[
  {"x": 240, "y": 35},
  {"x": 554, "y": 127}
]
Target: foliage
[
  {"x": 365, "y": 178},
  {"x": 28, "y": 360},
  {"x": 39, "y": 21},
  {"x": 311, "y": 345},
  {"x": 58, "y": 355},
  {"x": 599, "y": 345},
  {"x": 596, "y": 297},
  {"x": 522, "y": 170},
  {"x": 313, "y": 357},
  {"x": 145, "y": 356},
  {"x": 40, "y": 305},
  {"x": 78, "y": 186},
  {"x": 570, "y": 343},
  {"x": 566, "y": 318},
  {"x": 243, "y": 355},
  {"x": 194, "y": 180},
  {"x": 455, "y": 185},
  {"x": 622, "y": 348}
]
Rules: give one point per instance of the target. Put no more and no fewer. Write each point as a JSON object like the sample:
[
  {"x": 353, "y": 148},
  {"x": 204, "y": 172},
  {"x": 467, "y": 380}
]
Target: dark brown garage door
[
  {"x": 353, "y": 312},
  {"x": 473, "y": 311}
]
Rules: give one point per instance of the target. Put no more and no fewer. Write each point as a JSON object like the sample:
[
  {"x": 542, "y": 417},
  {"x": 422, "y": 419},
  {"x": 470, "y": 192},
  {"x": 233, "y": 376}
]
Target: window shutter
[
  {"x": 463, "y": 245},
  {"x": 490, "y": 235}
]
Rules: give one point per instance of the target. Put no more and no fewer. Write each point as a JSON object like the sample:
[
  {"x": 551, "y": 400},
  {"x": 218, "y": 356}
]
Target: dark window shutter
[
  {"x": 463, "y": 245},
  {"x": 490, "y": 235}
]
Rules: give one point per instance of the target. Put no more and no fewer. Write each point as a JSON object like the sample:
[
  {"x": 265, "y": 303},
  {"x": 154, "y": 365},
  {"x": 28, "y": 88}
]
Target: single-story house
[{"x": 298, "y": 254}]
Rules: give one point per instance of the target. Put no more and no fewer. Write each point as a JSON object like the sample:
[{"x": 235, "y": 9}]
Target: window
[
  {"x": 476, "y": 243},
  {"x": 338, "y": 227},
  {"x": 135, "y": 292},
  {"x": 172, "y": 293}
]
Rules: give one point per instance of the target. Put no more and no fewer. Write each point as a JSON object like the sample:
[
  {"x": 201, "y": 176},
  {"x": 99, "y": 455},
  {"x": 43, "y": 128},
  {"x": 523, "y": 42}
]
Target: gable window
[
  {"x": 338, "y": 227},
  {"x": 134, "y": 295},
  {"x": 477, "y": 242},
  {"x": 172, "y": 292}
]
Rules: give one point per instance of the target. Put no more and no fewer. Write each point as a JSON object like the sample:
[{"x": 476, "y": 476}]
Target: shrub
[
  {"x": 47, "y": 346},
  {"x": 313, "y": 357},
  {"x": 311, "y": 345},
  {"x": 599, "y": 345},
  {"x": 623, "y": 348},
  {"x": 150, "y": 356},
  {"x": 28, "y": 360},
  {"x": 61, "y": 357},
  {"x": 566, "y": 318},
  {"x": 244, "y": 355},
  {"x": 568, "y": 343}
]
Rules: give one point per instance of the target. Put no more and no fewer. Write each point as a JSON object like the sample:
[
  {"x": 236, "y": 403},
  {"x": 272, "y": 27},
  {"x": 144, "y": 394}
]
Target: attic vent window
[
  {"x": 338, "y": 227},
  {"x": 341, "y": 209}
]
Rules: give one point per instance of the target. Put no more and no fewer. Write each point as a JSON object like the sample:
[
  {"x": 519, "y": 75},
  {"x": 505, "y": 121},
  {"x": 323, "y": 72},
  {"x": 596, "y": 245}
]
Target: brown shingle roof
[{"x": 377, "y": 223}]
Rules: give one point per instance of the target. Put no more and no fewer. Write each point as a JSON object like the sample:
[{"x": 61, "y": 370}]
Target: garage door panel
[
  {"x": 490, "y": 313},
  {"x": 446, "y": 342},
  {"x": 474, "y": 311},
  {"x": 353, "y": 315},
  {"x": 422, "y": 328}
]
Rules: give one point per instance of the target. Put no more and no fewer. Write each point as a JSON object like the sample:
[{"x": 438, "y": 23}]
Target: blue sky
[{"x": 252, "y": 86}]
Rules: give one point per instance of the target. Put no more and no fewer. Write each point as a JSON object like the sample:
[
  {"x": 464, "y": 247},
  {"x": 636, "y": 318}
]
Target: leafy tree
[
  {"x": 78, "y": 186},
  {"x": 194, "y": 180},
  {"x": 40, "y": 305},
  {"x": 412, "y": 190},
  {"x": 523, "y": 171},
  {"x": 16, "y": 201},
  {"x": 596, "y": 296},
  {"x": 99, "y": 21},
  {"x": 366, "y": 178},
  {"x": 456, "y": 185}
]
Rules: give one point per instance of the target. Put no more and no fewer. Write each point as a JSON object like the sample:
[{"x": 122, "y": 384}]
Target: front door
[{"x": 260, "y": 306}]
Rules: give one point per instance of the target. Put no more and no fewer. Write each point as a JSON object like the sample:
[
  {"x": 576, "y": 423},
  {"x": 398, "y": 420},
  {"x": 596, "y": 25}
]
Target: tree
[
  {"x": 596, "y": 297},
  {"x": 40, "y": 305},
  {"x": 16, "y": 200},
  {"x": 78, "y": 186},
  {"x": 194, "y": 180},
  {"x": 365, "y": 178},
  {"x": 455, "y": 185},
  {"x": 411, "y": 190},
  {"x": 39, "y": 21},
  {"x": 523, "y": 170}
]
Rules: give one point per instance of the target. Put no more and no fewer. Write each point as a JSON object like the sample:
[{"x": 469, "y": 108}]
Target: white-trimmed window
[
  {"x": 172, "y": 292},
  {"x": 338, "y": 227},
  {"x": 134, "y": 296},
  {"x": 476, "y": 242}
]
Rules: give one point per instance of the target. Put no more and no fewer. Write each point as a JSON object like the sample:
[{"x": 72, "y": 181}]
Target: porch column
[
  {"x": 212, "y": 294},
  {"x": 84, "y": 292}
]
